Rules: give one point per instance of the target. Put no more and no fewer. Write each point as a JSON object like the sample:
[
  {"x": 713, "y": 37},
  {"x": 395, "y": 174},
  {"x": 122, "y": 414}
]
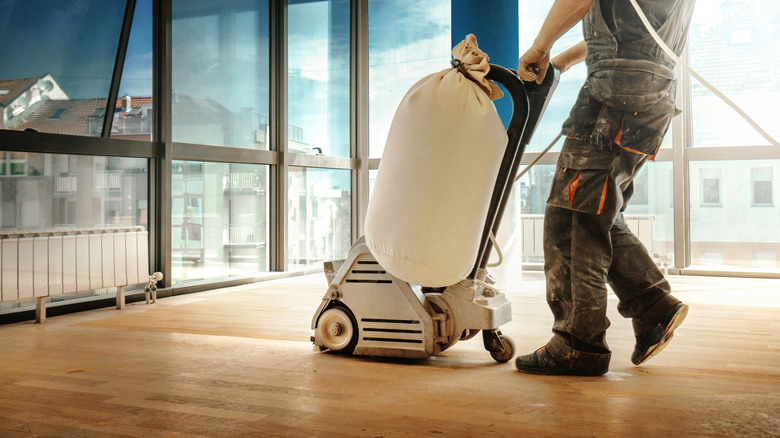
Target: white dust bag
[{"x": 432, "y": 192}]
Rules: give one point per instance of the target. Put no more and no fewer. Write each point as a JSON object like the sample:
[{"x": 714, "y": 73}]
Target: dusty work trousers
[{"x": 587, "y": 244}]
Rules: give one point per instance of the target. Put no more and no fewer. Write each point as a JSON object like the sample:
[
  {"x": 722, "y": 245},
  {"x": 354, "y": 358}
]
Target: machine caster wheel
[
  {"x": 337, "y": 330},
  {"x": 506, "y": 352}
]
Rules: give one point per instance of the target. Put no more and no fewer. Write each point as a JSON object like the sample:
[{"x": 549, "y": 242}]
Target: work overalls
[{"x": 617, "y": 123}]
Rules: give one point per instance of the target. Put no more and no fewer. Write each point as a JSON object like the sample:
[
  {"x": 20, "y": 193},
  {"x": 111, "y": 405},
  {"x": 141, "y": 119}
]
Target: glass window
[
  {"x": 710, "y": 258},
  {"x": 721, "y": 33},
  {"x": 371, "y": 180},
  {"x": 133, "y": 111},
  {"x": 221, "y": 73},
  {"x": 521, "y": 231},
  {"x": 640, "y": 194},
  {"x": 534, "y": 188},
  {"x": 57, "y": 57},
  {"x": 319, "y": 216},
  {"x": 710, "y": 187},
  {"x": 318, "y": 80},
  {"x": 520, "y": 234},
  {"x": 710, "y": 191},
  {"x": 53, "y": 191},
  {"x": 739, "y": 228},
  {"x": 652, "y": 221},
  {"x": 529, "y": 199},
  {"x": 764, "y": 259},
  {"x": 531, "y": 16},
  {"x": 41, "y": 191},
  {"x": 761, "y": 179},
  {"x": 219, "y": 215},
  {"x": 407, "y": 40}
]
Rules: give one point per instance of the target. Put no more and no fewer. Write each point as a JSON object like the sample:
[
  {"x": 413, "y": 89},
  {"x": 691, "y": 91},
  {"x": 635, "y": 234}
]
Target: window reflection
[
  {"x": 57, "y": 62},
  {"x": 70, "y": 192},
  {"x": 649, "y": 215},
  {"x": 221, "y": 73},
  {"x": 728, "y": 226},
  {"x": 320, "y": 212},
  {"x": 407, "y": 40},
  {"x": 318, "y": 53},
  {"x": 133, "y": 112},
  {"x": 531, "y": 16},
  {"x": 520, "y": 233},
  {"x": 40, "y": 191},
  {"x": 219, "y": 221},
  {"x": 650, "y": 212},
  {"x": 722, "y": 32}
]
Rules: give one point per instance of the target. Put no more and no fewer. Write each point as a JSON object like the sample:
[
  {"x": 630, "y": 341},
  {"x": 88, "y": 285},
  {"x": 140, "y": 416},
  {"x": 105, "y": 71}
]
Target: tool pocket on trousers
[{"x": 583, "y": 190}]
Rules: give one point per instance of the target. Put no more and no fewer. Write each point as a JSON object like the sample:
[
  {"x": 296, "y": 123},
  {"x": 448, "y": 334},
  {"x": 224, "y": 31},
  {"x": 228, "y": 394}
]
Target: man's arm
[
  {"x": 573, "y": 55},
  {"x": 562, "y": 16}
]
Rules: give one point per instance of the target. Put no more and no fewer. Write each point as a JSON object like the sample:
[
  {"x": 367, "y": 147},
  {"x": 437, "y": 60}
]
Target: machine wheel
[
  {"x": 507, "y": 351},
  {"x": 337, "y": 330}
]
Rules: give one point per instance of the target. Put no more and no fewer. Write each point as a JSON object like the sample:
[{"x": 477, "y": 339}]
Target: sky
[
  {"x": 74, "y": 40},
  {"x": 137, "y": 76}
]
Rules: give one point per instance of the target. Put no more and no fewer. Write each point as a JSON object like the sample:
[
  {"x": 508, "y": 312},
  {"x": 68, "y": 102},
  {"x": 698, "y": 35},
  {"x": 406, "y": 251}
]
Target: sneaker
[
  {"x": 651, "y": 343},
  {"x": 542, "y": 362}
]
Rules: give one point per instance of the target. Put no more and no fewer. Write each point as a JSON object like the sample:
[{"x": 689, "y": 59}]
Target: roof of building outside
[
  {"x": 15, "y": 87},
  {"x": 72, "y": 121},
  {"x": 135, "y": 102}
]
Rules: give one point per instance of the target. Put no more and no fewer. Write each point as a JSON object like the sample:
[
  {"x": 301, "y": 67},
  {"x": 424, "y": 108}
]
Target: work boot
[
  {"x": 542, "y": 362},
  {"x": 653, "y": 341}
]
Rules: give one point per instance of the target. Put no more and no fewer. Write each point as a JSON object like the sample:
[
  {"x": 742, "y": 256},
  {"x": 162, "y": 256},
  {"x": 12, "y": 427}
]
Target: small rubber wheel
[
  {"x": 336, "y": 330},
  {"x": 507, "y": 351}
]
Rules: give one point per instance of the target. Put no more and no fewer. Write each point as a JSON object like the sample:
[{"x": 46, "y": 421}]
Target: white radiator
[
  {"x": 532, "y": 226},
  {"x": 45, "y": 263}
]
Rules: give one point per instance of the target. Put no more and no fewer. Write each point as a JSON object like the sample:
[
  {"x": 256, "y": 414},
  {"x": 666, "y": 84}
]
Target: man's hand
[
  {"x": 562, "y": 16},
  {"x": 533, "y": 65},
  {"x": 570, "y": 57}
]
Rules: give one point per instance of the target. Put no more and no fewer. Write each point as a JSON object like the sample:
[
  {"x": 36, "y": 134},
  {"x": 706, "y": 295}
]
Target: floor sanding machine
[{"x": 368, "y": 311}]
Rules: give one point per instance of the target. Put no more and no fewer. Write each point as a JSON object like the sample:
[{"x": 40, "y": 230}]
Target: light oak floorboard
[{"x": 238, "y": 362}]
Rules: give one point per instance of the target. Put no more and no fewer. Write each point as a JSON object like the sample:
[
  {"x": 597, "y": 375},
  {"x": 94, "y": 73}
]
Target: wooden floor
[{"x": 238, "y": 363}]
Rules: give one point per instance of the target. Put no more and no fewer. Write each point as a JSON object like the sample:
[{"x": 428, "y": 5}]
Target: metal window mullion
[
  {"x": 733, "y": 153},
  {"x": 359, "y": 113},
  {"x": 278, "y": 134},
  {"x": 119, "y": 65},
  {"x": 548, "y": 158},
  {"x": 321, "y": 161},
  {"x": 46, "y": 143},
  {"x": 160, "y": 174},
  {"x": 682, "y": 140},
  {"x": 222, "y": 154}
]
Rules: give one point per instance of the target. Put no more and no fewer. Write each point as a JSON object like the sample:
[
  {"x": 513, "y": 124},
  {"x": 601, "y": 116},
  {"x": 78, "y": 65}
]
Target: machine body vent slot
[
  {"x": 368, "y": 271},
  {"x": 391, "y": 321},
  {"x": 392, "y": 330},
  {"x": 354, "y": 280},
  {"x": 405, "y": 341}
]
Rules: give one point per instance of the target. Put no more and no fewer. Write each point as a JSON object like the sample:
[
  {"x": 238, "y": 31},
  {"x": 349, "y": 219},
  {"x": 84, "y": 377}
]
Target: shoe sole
[
  {"x": 674, "y": 322},
  {"x": 561, "y": 371}
]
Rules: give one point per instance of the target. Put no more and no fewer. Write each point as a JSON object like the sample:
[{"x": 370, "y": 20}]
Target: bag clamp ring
[{"x": 461, "y": 68}]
